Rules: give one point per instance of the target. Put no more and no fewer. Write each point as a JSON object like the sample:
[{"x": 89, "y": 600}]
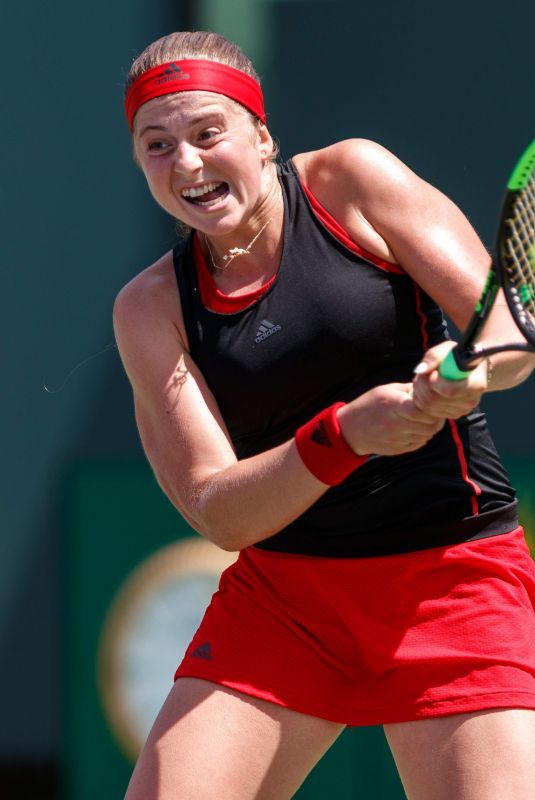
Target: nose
[{"x": 187, "y": 159}]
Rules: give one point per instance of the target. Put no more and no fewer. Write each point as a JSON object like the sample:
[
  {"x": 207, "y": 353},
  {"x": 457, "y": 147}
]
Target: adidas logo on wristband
[{"x": 321, "y": 436}]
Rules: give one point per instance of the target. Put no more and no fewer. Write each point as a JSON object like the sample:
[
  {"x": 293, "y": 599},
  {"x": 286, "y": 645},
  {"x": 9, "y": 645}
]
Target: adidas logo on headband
[
  {"x": 191, "y": 75},
  {"x": 172, "y": 73}
]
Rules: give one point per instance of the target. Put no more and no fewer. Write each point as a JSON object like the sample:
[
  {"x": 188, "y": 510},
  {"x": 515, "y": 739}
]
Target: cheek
[
  {"x": 157, "y": 180},
  {"x": 247, "y": 170},
  {"x": 236, "y": 155},
  {"x": 159, "y": 188}
]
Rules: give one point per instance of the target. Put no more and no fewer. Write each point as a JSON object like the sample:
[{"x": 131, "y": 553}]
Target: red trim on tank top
[
  {"x": 212, "y": 297},
  {"x": 216, "y": 300},
  {"x": 343, "y": 236},
  {"x": 423, "y": 316},
  {"x": 453, "y": 425},
  {"x": 464, "y": 467}
]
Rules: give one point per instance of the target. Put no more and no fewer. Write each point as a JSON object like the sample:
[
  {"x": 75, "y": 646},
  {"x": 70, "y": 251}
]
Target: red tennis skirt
[{"x": 375, "y": 640}]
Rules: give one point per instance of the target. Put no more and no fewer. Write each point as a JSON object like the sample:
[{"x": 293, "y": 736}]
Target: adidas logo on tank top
[{"x": 266, "y": 330}]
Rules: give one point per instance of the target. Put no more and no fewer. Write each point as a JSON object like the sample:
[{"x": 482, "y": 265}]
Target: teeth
[{"x": 198, "y": 191}]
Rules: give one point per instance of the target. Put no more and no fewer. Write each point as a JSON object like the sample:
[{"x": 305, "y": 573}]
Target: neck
[{"x": 255, "y": 243}]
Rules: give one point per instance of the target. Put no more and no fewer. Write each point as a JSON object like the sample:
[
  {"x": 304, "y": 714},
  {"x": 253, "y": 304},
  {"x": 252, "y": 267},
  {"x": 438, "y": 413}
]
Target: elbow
[
  {"x": 231, "y": 544},
  {"x": 519, "y": 378},
  {"x": 206, "y": 516},
  {"x": 224, "y": 537},
  {"x": 231, "y": 529},
  {"x": 521, "y": 374},
  {"x": 527, "y": 368},
  {"x": 226, "y": 533},
  {"x": 231, "y": 524},
  {"x": 512, "y": 370},
  {"x": 214, "y": 523}
]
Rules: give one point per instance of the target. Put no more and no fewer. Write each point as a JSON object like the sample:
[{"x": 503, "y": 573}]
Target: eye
[
  {"x": 208, "y": 134},
  {"x": 158, "y": 146}
]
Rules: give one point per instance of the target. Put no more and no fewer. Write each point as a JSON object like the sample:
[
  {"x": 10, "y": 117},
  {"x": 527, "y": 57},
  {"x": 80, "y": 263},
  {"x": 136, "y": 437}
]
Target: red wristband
[{"x": 323, "y": 449}]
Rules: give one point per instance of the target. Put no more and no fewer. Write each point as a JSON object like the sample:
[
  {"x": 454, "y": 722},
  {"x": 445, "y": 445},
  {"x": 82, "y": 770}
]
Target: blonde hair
[
  {"x": 190, "y": 44},
  {"x": 196, "y": 44},
  {"x": 184, "y": 45}
]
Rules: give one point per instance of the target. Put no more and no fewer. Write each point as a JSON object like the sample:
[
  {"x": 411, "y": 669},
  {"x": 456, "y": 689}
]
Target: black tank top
[{"x": 331, "y": 326}]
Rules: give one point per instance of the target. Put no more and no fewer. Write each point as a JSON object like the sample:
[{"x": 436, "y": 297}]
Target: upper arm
[
  {"x": 425, "y": 232},
  {"x": 180, "y": 425}
]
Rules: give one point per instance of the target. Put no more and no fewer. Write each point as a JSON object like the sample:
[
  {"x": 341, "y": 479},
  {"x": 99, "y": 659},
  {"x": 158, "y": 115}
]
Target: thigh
[
  {"x": 485, "y": 755},
  {"x": 209, "y": 741}
]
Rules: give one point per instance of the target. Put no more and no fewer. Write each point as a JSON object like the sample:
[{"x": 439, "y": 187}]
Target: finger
[
  {"x": 474, "y": 384},
  {"x": 440, "y": 407},
  {"x": 423, "y": 368},
  {"x": 414, "y": 410},
  {"x": 471, "y": 386},
  {"x": 450, "y": 410},
  {"x": 424, "y": 429},
  {"x": 432, "y": 359}
]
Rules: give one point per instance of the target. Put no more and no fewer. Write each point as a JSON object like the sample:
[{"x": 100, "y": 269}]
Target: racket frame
[{"x": 460, "y": 360}]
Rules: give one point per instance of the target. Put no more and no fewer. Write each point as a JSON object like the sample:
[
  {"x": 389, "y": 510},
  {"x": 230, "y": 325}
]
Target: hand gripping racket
[{"x": 512, "y": 269}]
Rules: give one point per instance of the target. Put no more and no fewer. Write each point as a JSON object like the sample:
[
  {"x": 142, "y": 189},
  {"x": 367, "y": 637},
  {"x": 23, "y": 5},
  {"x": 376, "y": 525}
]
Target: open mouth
[{"x": 205, "y": 195}]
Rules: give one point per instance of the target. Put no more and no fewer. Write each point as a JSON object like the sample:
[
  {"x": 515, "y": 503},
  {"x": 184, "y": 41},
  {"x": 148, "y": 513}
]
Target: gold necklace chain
[{"x": 234, "y": 252}]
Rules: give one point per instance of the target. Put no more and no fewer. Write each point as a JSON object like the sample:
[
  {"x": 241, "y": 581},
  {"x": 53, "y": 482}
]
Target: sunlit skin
[
  {"x": 196, "y": 138},
  {"x": 189, "y": 140},
  {"x": 255, "y": 749}
]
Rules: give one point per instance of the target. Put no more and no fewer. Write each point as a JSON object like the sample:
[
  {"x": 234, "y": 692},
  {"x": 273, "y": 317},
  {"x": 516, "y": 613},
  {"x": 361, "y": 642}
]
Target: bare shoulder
[
  {"x": 151, "y": 298},
  {"x": 345, "y": 152},
  {"x": 359, "y": 183},
  {"x": 358, "y": 168},
  {"x": 396, "y": 214},
  {"x": 148, "y": 290}
]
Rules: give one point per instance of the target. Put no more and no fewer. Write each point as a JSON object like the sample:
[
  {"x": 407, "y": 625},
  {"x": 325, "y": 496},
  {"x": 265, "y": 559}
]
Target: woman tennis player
[{"x": 382, "y": 577}]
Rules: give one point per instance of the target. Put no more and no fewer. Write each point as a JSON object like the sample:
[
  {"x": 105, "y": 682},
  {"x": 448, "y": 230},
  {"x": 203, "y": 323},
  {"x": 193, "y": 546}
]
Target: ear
[{"x": 266, "y": 146}]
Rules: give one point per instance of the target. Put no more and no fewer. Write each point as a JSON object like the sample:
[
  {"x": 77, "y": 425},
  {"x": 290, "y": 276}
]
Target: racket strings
[{"x": 520, "y": 251}]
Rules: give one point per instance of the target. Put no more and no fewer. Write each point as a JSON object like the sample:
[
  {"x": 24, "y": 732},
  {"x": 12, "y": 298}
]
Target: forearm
[
  {"x": 512, "y": 367},
  {"x": 249, "y": 500},
  {"x": 240, "y": 503},
  {"x": 452, "y": 399},
  {"x": 507, "y": 370}
]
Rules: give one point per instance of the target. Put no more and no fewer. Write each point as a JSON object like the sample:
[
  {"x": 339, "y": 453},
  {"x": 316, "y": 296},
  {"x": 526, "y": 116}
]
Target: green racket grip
[{"x": 449, "y": 368}]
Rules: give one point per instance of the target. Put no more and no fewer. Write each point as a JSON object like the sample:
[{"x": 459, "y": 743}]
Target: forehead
[{"x": 186, "y": 108}]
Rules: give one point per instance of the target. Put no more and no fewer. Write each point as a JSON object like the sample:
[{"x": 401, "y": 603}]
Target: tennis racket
[{"x": 512, "y": 269}]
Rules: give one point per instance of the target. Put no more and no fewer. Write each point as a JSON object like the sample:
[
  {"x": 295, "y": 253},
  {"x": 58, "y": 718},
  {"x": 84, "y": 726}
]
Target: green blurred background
[{"x": 448, "y": 88}]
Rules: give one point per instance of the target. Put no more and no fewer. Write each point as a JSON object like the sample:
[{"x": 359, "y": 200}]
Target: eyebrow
[
  {"x": 151, "y": 128},
  {"x": 191, "y": 122}
]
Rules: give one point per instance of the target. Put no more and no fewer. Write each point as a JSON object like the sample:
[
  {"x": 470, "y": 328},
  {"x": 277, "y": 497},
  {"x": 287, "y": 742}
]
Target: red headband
[{"x": 191, "y": 75}]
